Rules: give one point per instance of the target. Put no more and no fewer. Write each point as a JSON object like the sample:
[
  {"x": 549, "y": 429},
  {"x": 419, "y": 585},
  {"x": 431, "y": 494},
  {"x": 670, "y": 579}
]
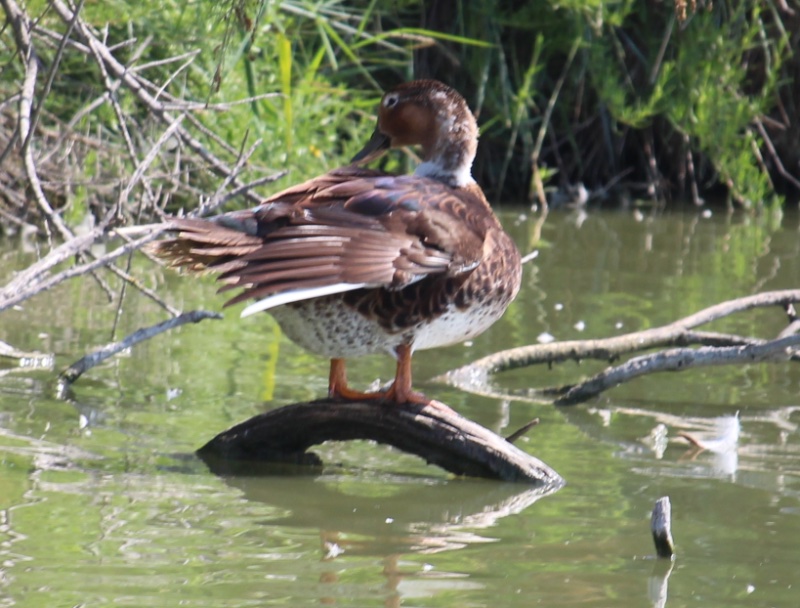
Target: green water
[{"x": 103, "y": 504}]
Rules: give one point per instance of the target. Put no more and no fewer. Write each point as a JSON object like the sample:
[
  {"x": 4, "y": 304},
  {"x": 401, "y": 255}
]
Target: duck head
[{"x": 435, "y": 117}]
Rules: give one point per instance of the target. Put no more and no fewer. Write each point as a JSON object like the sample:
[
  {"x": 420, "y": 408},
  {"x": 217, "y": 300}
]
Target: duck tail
[{"x": 204, "y": 245}]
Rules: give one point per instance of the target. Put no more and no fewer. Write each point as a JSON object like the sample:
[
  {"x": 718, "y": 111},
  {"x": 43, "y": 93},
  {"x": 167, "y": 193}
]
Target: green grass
[{"x": 634, "y": 94}]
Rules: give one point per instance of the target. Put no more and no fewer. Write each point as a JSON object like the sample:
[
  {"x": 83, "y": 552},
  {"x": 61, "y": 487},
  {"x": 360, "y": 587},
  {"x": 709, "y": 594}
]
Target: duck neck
[{"x": 449, "y": 159}]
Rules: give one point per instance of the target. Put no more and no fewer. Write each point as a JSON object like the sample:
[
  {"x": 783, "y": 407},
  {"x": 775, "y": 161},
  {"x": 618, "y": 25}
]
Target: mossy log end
[{"x": 432, "y": 431}]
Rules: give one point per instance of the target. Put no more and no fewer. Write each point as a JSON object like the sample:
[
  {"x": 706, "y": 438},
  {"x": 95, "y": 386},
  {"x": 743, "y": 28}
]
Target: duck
[{"x": 358, "y": 261}]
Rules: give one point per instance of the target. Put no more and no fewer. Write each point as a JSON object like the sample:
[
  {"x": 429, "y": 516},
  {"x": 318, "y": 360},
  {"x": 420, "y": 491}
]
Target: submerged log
[{"x": 432, "y": 431}]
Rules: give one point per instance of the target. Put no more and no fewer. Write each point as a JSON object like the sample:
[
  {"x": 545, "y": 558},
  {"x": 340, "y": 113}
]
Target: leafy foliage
[{"x": 578, "y": 91}]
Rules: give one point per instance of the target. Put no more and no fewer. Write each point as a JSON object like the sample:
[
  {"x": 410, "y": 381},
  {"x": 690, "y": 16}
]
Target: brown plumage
[{"x": 358, "y": 261}]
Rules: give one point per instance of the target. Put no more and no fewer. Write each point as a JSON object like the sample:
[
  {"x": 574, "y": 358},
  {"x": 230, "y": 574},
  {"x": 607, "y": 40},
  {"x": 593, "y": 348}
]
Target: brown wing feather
[{"x": 349, "y": 226}]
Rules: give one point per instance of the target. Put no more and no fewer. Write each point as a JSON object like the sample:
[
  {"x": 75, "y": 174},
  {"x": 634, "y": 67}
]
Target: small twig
[
  {"x": 548, "y": 113},
  {"x": 151, "y": 155},
  {"x": 775, "y": 156},
  {"x": 74, "y": 371},
  {"x": 111, "y": 95},
  {"x": 244, "y": 188},
  {"x": 215, "y": 201},
  {"x": 522, "y": 430},
  {"x": 168, "y": 81},
  {"x": 159, "y": 62},
  {"x": 146, "y": 291},
  {"x": 103, "y": 285},
  {"x": 696, "y": 199},
  {"x": 222, "y": 106}
]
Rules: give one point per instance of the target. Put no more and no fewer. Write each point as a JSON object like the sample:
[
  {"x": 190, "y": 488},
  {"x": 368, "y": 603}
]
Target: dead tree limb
[
  {"x": 74, "y": 371},
  {"x": 40, "y": 279},
  {"x": 715, "y": 349},
  {"x": 26, "y": 359},
  {"x": 33, "y": 141},
  {"x": 677, "y": 360},
  {"x": 433, "y": 431}
]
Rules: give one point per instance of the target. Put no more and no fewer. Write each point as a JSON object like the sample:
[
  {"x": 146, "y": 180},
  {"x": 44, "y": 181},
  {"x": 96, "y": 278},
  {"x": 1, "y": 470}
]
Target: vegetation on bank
[{"x": 667, "y": 101}]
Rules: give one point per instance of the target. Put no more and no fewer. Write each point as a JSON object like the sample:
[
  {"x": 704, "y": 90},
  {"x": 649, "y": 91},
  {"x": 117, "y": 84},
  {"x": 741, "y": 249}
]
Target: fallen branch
[
  {"x": 74, "y": 371},
  {"x": 39, "y": 279},
  {"x": 26, "y": 359},
  {"x": 715, "y": 349},
  {"x": 677, "y": 360},
  {"x": 433, "y": 431}
]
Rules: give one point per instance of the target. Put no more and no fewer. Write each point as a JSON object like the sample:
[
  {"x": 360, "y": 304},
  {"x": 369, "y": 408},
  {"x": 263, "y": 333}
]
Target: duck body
[
  {"x": 359, "y": 261},
  {"x": 428, "y": 302}
]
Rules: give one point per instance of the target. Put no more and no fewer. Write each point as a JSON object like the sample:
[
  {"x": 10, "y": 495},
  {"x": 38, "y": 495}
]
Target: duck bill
[{"x": 376, "y": 146}]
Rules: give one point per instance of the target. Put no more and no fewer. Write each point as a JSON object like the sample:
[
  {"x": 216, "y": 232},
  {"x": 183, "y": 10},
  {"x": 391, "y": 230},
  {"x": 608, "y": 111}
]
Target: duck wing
[{"x": 348, "y": 229}]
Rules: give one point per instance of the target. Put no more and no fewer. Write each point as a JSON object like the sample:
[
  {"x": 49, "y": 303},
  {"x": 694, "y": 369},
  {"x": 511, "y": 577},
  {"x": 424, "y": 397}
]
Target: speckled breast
[
  {"x": 332, "y": 327},
  {"x": 328, "y": 327}
]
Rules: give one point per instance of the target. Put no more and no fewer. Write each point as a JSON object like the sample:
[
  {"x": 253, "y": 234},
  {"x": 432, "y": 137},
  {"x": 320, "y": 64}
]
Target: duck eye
[{"x": 390, "y": 100}]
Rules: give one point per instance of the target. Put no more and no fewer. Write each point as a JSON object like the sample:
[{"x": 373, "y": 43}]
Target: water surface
[{"x": 103, "y": 504}]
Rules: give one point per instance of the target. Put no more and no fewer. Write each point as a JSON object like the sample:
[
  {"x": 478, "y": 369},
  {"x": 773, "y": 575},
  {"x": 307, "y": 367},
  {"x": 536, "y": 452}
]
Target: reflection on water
[
  {"x": 420, "y": 516},
  {"x": 96, "y": 509}
]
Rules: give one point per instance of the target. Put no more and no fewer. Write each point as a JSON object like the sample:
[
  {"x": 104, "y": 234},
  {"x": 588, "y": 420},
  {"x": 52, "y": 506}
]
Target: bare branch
[
  {"x": 677, "y": 360},
  {"x": 716, "y": 349},
  {"x": 19, "y": 291},
  {"x": 674, "y": 334},
  {"x": 74, "y": 371},
  {"x": 134, "y": 84},
  {"x": 661, "y": 528},
  {"x": 522, "y": 430},
  {"x": 266, "y": 179},
  {"x": 216, "y": 200},
  {"x": 22, "y": 27},
  {"x": 33, "y": 274},
  {"x": 27, "y": 359},
  {"x": 149, "y": 158},
  {"x": 775, "y": 156}
]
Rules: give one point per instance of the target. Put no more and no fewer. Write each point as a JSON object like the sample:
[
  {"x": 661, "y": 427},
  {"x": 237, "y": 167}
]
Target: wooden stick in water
[{"x": 661, "y": 528}]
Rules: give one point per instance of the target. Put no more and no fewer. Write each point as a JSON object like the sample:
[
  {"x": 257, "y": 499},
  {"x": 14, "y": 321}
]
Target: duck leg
[
  {"x": 400, "y": 391},
  {"x": 337, "y": 384}
]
